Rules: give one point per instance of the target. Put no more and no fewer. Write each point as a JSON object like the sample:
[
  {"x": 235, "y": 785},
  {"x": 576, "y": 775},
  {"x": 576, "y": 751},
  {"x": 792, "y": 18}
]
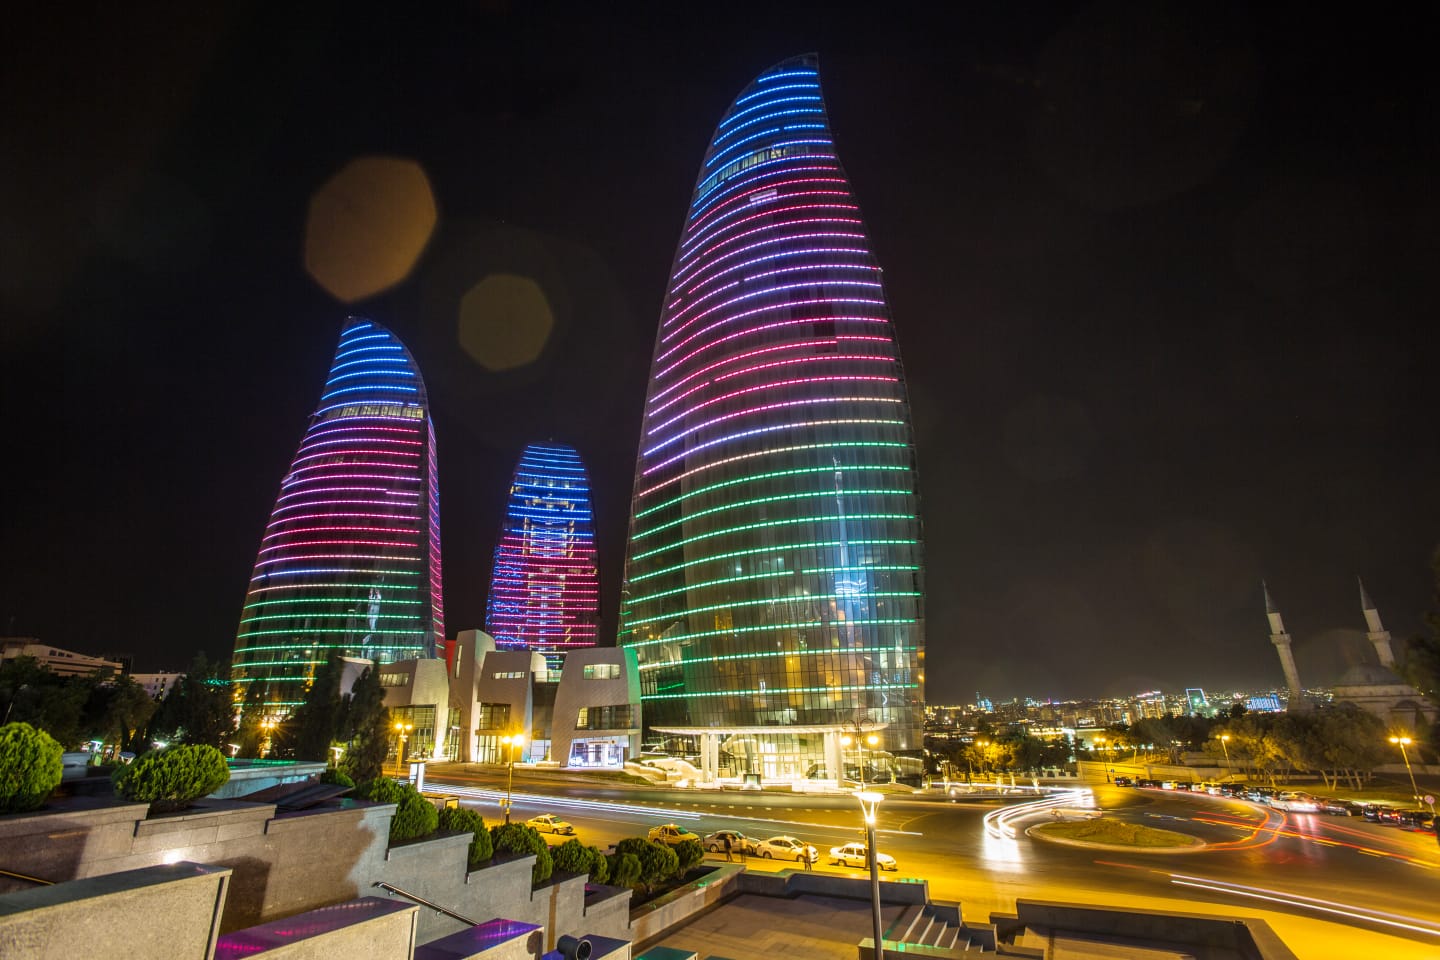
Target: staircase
[{"x": 938, "y": 927}]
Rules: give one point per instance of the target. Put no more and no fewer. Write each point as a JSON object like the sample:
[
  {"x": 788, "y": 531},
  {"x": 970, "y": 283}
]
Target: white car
[
  {"x": 857, "y": 855},
  {"x": 549, "y": 823},
  {"x": 786, "y": 848},
  {"x": 1296, "y": 802}
]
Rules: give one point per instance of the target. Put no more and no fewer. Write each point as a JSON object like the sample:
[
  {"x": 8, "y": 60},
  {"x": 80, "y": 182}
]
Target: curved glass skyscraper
[
  {"x": 350, "y": 560},
  {"x": 773, "y": 580},
  {"x": 545, "y": 589}
]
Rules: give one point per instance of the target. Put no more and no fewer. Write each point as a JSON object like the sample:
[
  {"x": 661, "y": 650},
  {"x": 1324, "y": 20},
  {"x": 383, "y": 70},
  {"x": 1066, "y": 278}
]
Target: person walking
[
  {"x": 809, "y": 857},
  {"x": 728, "y": 858}
]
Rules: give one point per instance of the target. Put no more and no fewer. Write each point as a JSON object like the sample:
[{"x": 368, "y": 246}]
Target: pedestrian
[
  {"x": 810, "y": 854},
  {"x": 728, "y": 858}
]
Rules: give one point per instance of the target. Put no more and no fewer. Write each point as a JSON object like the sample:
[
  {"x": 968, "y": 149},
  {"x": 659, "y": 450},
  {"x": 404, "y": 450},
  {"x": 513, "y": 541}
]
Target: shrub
[
  {"x": 29, "y": 767},
  {"x": 519, "y": 838},
  {"x": 463, "y": 820},
  {"x": 658, "y": 862},
  {"x": 173, "y": 778},
  {"x": 337, "y": 777},
  {"x": 574, "y": 857},
  {"x": 690, "y": 854},
  {"x": 414, "y": 815},
  {"x": 624, "y": 869}
]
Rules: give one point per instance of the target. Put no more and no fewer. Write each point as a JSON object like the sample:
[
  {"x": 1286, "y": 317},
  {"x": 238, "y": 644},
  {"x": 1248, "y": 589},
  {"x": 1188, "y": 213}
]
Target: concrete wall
[
  {"x": 368, "y": 927},
  {"x": 248, "y": 778},
  {"x": 576, "y": 691},
  {"x": 1246, "y": 937},
  {"x": 76, "y": 919}
]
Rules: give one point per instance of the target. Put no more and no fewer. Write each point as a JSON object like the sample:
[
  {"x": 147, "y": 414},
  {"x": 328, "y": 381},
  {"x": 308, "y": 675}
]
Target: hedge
[
  {"x": 463, "y": 820},
  {"x": 30, "y": 767},
  {"x": 414, "y": 815},
  {"x": 173, "y": 778},
  {"x": 522, "y": 839}
]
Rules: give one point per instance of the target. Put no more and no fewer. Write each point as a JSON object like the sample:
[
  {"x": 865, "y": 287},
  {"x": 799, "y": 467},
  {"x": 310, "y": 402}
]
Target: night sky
[{"x": 1162, "y": 280}]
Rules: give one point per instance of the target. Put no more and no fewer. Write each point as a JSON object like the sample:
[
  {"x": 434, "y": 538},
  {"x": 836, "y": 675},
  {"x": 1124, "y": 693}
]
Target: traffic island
[{"x": 1107, "y": 834}]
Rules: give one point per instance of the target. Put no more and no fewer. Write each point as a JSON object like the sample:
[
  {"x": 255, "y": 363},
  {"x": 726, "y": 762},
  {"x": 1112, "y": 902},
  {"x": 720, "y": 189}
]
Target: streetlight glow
[
  {"x": 511, "y": 740},
  {"x": 869, "y": 804},
  {"x": 1405, "y": 742}
]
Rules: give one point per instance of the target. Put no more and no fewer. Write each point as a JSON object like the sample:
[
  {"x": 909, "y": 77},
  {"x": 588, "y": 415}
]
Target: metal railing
[
  {"x": 22, "y": 876},
  {"x": 391, "y": 888}
]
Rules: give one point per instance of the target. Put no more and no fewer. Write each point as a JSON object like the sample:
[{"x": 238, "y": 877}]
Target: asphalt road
[{"x": 1325, "y": 883}]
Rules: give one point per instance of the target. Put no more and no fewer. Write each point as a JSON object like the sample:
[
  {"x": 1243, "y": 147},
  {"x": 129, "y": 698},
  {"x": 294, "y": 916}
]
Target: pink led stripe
[
  {"x": 366, "y": 453},
  {"x": 771, "y": 211},
  {"x": 713, "y": 464},
  {"x": 771, "y": 208},
  {"x": 351, "y": 464},
  {"x": 770, "y": 291},
  {"x": 798, "y": 345},
  {"x": 749, "y": 331},
  {"x": 769, "y": 429},
  {"x": 783, "y": 254},
  {"x": 743, "y": 199},
  {"x": 341, "y": 503},
  {"x": 769, "y": 230},
  {"x": 297, "y": 544},
  {"x": 752, "y": 179},
  {"x": 388, "y": 558},
  {"x": 823, "y": 358},
  {"x": 765, "y": 408},
  {"x": 326, "y": 478},
  {"x": 790, "y": 238},
  {"x": 768, "y": 308},
  {"x": 311, "y": 442},
  {"x": 328, "y": 515},
  {"x": 294, "y": 531},
  {"x": 759, "y": 388}
]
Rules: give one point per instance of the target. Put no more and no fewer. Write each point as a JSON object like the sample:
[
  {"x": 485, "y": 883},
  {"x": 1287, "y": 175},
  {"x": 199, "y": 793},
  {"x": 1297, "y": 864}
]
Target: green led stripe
[
  {"x": 808, "y": 625},
  {"x": 808, "y": 495},
  {"x": 332, "y": 616},
  {"x": 333, "y": 586},
  {"x": 784, "y": 691},
  {"x": 818, "y": 651},
  {"x": 337, "y": 599},
  {"x": 763, "y": 601},
  {"x": 646, "y": 598},
  {"x": 763, "y": 476},
  {"x": 773, "y": 523},
  {"x": 809, "y": 544},
  {"x": 862, "y": 568}
]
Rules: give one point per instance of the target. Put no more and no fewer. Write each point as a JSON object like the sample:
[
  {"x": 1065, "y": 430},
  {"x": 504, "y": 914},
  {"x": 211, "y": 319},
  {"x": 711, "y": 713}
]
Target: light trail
[
  {"x": 998, "y": 822},
  {"x": 1395, "y": 920}
]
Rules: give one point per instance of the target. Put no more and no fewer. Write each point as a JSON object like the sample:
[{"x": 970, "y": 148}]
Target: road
[{"x": 1324, "y": 883}]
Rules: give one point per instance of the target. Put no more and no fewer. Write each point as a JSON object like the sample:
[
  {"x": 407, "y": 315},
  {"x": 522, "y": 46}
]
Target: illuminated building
[
  {"x": 544, "y": 589},
  {"x": 773, "y": 581},
  {"x": 350, "y": 561}
]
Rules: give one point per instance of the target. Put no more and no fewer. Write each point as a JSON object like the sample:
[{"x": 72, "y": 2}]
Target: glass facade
[
  {"x": 350, "y": 560},
  {"x": 545, "y": 588},
  {"x": 774, "y": 573}
]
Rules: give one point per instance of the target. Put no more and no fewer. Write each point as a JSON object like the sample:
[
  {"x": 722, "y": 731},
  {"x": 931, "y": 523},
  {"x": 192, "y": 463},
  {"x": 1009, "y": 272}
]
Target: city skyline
[{"x": 1162, "y": 282}]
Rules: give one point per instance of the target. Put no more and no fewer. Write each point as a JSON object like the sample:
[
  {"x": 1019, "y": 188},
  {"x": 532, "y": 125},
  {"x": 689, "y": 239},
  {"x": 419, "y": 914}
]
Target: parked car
[
  {"x": 1416, "y": 820},
  {"x": 1148, "y": 784},
  {"x": 858, "y": 855},
  {"x": 672, "y": 834},
  {"x": 549, "y": 823},
  {"x": 1295, "y": 802},
  {"x": 786, "y": 848},
  {"x": 1341, "y": 808},
  {"x": 1124, "y": 782},
  {"x": 739, "y": 843}
]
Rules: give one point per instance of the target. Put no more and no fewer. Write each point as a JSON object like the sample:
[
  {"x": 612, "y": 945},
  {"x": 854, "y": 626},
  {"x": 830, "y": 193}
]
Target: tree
[
  {"x": 197, "y": 709},
  {"x": 465, "y": 820},
  {"x": 318, "y": 720},
  {"x": 624, "y": 869},
  {"x": 30, "y": 767},
  {"x": 658, "y": 862},
  {"x": 117, "y": 711},
  {"x": 366, "y": 728},
  {"x": 574, "y": 857},
  {"x": 690, "y": 854},
  {"x": 173, "y": 778},
  {"x": 31, "y": 694},
  {"x": 253, "y": 712}
]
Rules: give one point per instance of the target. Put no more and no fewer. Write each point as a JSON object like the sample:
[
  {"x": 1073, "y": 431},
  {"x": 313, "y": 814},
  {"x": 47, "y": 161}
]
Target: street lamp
[
  {"x": 512, "y": 740},
  {"x": 1105, "y": 764},
  {"x": 268, "y": 726},
  {"x": 1405, "y": 742},
  {"x": 402, "y": 728},
  {"x": 869, "y": 803},
  {"x": 1225, "y": 745}
]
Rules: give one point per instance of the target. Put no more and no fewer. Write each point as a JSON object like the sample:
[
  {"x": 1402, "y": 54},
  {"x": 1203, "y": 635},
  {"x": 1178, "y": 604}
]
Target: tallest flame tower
[{"x": 773, "y": 587}]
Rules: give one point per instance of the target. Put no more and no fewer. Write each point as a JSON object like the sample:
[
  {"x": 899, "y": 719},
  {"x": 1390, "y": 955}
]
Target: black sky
[{"x": 1163, "y": 279}]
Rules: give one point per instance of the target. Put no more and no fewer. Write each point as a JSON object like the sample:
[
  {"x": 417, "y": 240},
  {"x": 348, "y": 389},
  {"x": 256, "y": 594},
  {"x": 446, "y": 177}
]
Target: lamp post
[
  {"x": 869, "y": 803},
  {"x": 1225, "y": 745},
  {"x": 1405, "y": 742},
  {"x": 402, "y": 728},
  {"x": 512, "y": 740},
  {"x": 268, "y": 726},
  {"x": 1105, "y": 764}
]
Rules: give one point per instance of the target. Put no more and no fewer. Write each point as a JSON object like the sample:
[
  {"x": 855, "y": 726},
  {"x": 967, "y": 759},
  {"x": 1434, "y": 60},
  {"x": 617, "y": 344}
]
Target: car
[
  {"x": 1124, "y": 782},
  {"x": 786, "y": 848},
  {"x": 1295, "y": 802},
  {"x": 1377, "y": 812},
  {"x": 739, "y": 843},
  {"x": 1341, "y": 808},
  {"x": 672, "y": 834},
  {"x": 549, "y": 823},
  {"x": 1422, "y": 820},
  {"x": 858, "y": 855}
]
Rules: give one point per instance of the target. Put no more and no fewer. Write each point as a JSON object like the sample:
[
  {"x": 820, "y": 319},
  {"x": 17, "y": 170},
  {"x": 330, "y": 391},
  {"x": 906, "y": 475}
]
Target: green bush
[
  {"x": 414, "y": 815},
  {"x": 690, "y": 854},
  {"x": 522, "y": 839},
  {"x": 624, "y": 869},
  {"x": 173, "y": 778},
  {"x": 658, "y": 862},
  {"x": 337, "y": 777},
  {"x": 463, "y": 820},
  {"x": 572, "y": 856},
  {"x": 29, "y": 767}
]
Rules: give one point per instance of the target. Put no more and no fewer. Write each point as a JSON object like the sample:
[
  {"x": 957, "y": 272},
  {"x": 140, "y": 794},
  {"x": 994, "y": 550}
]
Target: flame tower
[
  {"x": 545, "y": 588},
  {"x": 773, "y": 581},
  {"x": 350, "y": 561}
]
